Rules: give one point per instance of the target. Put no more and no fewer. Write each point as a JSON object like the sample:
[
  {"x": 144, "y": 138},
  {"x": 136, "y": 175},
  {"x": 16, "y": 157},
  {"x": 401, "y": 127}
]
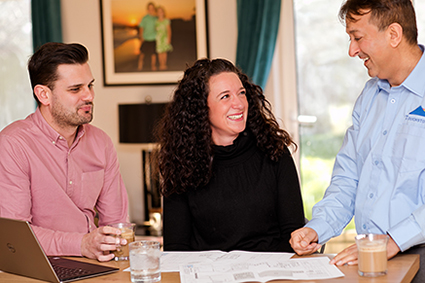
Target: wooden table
[{"x": 401, "y": 268}]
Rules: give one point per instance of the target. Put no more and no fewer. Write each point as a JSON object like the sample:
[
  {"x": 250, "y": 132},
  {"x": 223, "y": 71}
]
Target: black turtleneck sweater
[{"x": 251, "y": 203}]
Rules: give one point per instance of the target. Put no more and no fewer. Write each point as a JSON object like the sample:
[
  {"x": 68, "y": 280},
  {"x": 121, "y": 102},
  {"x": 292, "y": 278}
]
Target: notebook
[{"x": 21, "y": 253}]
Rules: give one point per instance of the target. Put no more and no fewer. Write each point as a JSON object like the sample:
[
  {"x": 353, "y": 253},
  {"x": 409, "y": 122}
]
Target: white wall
[{"x": 81, "y": 23}]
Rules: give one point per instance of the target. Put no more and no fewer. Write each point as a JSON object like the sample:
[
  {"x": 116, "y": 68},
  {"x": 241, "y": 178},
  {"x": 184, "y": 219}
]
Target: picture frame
[{"x": 122, "y": 63}]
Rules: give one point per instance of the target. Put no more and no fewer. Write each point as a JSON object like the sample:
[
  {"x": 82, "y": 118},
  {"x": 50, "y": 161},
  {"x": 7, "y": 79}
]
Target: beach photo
[{"x": 151, "y": 42}]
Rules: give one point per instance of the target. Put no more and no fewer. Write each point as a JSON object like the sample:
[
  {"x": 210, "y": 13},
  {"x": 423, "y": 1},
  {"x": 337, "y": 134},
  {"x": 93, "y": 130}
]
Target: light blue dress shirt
[{"x": 379, "y": 172}]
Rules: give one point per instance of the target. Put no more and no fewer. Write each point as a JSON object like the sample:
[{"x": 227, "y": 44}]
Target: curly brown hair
[{"x": 184, "y": 133}]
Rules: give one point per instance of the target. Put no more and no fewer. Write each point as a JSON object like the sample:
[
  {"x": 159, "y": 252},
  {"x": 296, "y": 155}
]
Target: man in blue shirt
[{"x": 379, "y": 173}]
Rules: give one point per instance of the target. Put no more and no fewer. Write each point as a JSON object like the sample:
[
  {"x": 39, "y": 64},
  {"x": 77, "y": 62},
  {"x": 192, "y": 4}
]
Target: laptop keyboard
[{"x": 66, "y": 273}]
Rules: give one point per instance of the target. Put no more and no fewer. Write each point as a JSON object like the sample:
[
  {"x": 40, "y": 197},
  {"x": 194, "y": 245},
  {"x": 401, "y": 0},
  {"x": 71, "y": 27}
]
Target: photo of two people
[{"x": 151, "y": 36}]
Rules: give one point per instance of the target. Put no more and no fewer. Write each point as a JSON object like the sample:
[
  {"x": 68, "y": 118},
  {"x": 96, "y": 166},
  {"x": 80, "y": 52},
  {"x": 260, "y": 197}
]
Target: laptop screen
[{"x": 21, "y": 253}]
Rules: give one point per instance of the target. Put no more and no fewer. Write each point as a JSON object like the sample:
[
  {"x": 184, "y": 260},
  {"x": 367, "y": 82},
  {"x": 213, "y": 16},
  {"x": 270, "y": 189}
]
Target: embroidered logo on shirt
[
  {"x": 418, "y": 111},
  {"x": 416, "y": 117}
]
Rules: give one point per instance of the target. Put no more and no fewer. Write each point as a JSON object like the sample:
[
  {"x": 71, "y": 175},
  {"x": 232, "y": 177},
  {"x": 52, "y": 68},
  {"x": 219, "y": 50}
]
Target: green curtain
[
  {"x": 258, "y": 23},
  {"x": 46, "y": 22}
]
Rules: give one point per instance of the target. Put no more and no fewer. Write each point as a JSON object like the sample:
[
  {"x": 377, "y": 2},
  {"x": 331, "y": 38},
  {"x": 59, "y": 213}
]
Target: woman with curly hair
[{"x": 228, "y": 179}]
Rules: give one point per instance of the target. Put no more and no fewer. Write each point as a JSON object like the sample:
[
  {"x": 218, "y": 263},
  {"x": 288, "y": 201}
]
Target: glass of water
[{"x": 144, "y": 261}]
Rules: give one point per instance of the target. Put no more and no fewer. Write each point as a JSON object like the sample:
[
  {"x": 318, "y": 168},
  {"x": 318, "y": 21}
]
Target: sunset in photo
[
  {"x": 130, "y": 12},
  {"x": 122, "y": 29}
]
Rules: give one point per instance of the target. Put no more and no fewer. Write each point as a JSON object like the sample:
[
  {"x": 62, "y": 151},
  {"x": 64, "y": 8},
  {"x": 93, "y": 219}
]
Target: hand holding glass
[
  {"x": 127, "y": 232},
  {"x": 372, "y": 254}
]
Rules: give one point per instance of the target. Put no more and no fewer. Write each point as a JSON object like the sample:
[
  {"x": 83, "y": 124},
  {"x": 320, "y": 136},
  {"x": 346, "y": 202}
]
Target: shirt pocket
[
  {"x": 409, "y": 148},
  {"x": 91, "y": 186}
]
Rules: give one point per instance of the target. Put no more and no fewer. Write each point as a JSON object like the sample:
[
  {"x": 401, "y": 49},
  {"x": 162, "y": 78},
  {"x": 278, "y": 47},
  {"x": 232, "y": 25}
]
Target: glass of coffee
[
  {"x": 372, "y": 254},
  {"x": 127, "y": 232}
]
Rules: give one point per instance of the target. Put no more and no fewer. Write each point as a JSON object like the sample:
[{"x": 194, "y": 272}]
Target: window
[
  {"x": 15, "y": 48},
  {"x": 420, "y": 18},
  {"x": 329, "y": 81}
]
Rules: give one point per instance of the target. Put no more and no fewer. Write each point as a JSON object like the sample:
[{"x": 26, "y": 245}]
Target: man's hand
[
  {"x": 98, "y": 243},
  {"x": 347, "y": 256},
  {"x": 350, "y": 255},
  {"x": 304, "y": 241}
]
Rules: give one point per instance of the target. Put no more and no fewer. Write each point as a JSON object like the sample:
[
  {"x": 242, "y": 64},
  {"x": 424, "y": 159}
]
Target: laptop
[{"x": 21, "y": 253}]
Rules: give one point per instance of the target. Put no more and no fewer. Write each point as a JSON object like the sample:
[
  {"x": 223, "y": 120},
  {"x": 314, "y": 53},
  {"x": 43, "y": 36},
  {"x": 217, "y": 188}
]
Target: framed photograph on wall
[{"x": 151, "y": 42}]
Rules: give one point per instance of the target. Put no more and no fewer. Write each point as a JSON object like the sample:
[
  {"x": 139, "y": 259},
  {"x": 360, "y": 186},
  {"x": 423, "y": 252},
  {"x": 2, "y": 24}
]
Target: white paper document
[
  {"x": 239, "y": 266},
  {"x": 170, "y": 261}
]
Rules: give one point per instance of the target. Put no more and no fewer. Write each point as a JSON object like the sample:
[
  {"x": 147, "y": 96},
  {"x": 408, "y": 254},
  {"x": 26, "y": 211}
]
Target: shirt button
[
  {"x": 53, "y": 142},
  {"x": 364, "y": 226},
  {"x": 385, "y": 132},
  {"x": 376, "y": 162},
  {"x": 371, "y": 195},
  {"x": 393, "y": 101},
  {"x": 70, "y": 182}
]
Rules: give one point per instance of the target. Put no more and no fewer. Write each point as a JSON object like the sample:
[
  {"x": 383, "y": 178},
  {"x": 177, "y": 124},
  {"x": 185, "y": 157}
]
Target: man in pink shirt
[{"x": 56, "y": 170}]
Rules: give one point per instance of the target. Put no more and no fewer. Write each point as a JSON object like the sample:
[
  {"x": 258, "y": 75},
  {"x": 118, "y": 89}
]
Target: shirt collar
[
  {"x": 50, "y": 132},
  {"x": 415, "y": 81}
]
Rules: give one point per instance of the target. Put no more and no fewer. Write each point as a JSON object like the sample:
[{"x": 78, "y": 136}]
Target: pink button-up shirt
[{"x": 57, "y": 188}]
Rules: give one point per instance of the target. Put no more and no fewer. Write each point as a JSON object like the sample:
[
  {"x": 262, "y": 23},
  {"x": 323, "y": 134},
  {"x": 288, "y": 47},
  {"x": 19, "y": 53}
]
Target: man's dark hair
[
  {"x": 151, "y": 4},
  {"x": 43, "y": 64},
  {"x": 383, "y": 14}
]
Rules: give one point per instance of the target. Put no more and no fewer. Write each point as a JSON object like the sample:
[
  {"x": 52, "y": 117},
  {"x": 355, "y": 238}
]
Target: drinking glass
[
  {"x": 145, "y": 261},
  {"x": 127, "y": 232},
  {"x": 372, "y": 254}
]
